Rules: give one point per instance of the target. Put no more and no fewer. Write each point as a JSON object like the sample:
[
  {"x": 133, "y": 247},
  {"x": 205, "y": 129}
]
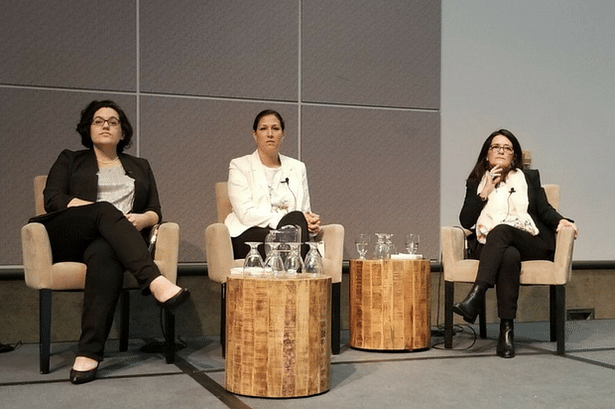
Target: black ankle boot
[
  {"x": 471, "y": 306},
  {"x": 506, "y": 345}
]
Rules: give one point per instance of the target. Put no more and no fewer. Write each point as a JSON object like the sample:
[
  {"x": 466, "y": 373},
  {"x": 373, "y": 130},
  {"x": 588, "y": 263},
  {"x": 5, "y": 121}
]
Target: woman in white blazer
[{"x": 267, "y": 190}]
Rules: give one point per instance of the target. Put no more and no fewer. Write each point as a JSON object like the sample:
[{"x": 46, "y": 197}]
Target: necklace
[{"x": 107, "y": 163}]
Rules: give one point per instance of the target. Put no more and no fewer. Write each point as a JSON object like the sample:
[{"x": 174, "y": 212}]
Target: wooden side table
[
  {"x": 390, "y": 306},
  {"x": 278, "y": 335}
]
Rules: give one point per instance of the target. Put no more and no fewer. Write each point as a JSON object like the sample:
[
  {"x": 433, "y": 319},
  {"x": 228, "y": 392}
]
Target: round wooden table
[
  {"x": 278, "y": 335},
  {"x": 390, "y": 306}
]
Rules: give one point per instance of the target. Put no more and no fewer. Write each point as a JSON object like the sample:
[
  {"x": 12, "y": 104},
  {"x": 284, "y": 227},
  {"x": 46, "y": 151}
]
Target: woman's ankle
[{"x": 83, "y": 363}]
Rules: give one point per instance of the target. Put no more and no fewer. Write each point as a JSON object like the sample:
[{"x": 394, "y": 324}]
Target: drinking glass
[
  {"x": 412, "y": 243},
  {"x": 293, "y": 263},
  {"x": 362, "y": 244},
  {"x": 253, "y": 263},
  {"x": 313, "y": 259},
  {"x": 389, "y": 242},
  {"x": 273, "y": 263},
  {"x": 381, "y": 250}
]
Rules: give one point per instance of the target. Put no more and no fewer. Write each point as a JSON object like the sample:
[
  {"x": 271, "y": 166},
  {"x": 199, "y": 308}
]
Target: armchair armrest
[
  {"x": 333, "y": 237},
  {"x": 37, "y": 258},
  {"x": 453, "y": 244},
  {"x": 219, "y": 251},
  {"x": 166, "y": 252},
  {"x": 564, "y": 244}
]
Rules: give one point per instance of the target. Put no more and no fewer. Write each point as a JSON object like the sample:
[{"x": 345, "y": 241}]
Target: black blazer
[
  {"x": 543, "y": 214},
  {"x": 73, "y": 175}
]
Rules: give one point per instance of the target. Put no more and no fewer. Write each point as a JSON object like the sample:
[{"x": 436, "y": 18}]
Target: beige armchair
[
  {"x": 220, "y": 260},
  {"x": 42, "y": 274},
  {"x": 555, "y": 274}
]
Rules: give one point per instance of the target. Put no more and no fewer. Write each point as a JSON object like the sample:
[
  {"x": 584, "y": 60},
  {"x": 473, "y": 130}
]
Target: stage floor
[{"x": 469, "y": 376}]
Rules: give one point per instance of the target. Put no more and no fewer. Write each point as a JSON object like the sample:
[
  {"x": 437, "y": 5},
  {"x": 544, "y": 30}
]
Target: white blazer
[{"x": 249, "y": 193}]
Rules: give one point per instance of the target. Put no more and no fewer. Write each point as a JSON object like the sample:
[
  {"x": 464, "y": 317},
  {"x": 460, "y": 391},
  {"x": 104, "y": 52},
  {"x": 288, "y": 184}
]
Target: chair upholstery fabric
[
  {"x": 556, "y": 273},
  {"x": 42, "y": 274}
]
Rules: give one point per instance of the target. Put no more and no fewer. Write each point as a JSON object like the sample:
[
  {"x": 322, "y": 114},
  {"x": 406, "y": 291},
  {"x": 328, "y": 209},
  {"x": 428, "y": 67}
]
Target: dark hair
[
  {"x": 482, "y": 165},
  {"x": 265, "y": 113},
  {"x": 87, "y": 115}
]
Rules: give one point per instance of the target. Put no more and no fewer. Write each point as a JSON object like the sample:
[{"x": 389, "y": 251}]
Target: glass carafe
[{"x": 381, "y": 250}]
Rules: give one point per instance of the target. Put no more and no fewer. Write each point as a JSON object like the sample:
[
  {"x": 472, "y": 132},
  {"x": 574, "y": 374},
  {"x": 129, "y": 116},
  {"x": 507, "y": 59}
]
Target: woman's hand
[
  {"x": 142, "y": 220},
  {"x": 494, "y": 176},
  {"x": 313, "y": 222},
  {"x": 567, "y": 223}
]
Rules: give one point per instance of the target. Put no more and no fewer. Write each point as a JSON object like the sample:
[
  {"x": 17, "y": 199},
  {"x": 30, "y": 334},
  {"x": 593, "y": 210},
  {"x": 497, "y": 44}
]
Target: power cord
[
  {"x": 161, "y": 346},
  {"x": 8, "y": 347}
]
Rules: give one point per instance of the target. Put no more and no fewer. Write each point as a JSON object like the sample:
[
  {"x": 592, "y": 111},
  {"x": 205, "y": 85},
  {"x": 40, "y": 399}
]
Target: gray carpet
[{"x": 469, "y": 376}]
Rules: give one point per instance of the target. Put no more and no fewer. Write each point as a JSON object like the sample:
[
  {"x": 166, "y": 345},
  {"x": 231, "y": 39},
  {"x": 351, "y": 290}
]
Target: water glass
[
  {"x": 362, "y": 244},
  {"x": 313, "y": 259},
  {"x": 253, "y": 263},
  {"x": 412, "y": 243},
  {"x": 293, "y": 263}
]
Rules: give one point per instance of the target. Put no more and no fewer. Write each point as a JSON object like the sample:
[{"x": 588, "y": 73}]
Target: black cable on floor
[
  {"x": 160, "y": 346},
  {"x": 8, "y": 347}
]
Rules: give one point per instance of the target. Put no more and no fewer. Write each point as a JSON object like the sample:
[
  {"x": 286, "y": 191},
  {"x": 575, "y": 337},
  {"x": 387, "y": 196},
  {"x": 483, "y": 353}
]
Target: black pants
[
  {"x": 101, "y": 237},
  {"x": 258, "y": 234},
  {"x": 500, "y": 263}
]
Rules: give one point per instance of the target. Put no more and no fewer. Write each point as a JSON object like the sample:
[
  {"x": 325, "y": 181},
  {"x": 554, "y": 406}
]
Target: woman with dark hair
[
  {"x": 100, "y": 203},
  {"x": 267, "y": 190},
  {"x": 512, "y": 220}
]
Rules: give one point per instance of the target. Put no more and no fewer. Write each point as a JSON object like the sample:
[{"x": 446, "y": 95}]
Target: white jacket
[{"x": 249, "y": 193}]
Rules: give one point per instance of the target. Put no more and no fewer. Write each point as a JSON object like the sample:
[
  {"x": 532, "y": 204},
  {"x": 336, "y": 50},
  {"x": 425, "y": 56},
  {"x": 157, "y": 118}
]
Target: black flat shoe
[
  {"x": 471, "y": 306},
  {"x": 79, "y": 377},
  {"x": 178, "y": 299},
  {"x": 506, "y": 342}
]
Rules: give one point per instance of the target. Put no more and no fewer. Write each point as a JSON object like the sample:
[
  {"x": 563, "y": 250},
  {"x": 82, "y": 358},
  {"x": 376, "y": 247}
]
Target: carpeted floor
[{"x": 469, "y": 376}]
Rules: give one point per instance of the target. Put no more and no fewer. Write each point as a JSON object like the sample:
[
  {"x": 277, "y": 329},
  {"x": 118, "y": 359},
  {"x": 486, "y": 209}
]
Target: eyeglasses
[
  {"x": 505, "y": 148},
  {"x": 99, "y": 122}
]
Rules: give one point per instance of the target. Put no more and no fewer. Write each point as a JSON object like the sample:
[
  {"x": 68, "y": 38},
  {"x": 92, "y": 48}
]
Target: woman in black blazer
[
  {"x": 100, "y": 202},
  {"x": 508, "y": 210}
]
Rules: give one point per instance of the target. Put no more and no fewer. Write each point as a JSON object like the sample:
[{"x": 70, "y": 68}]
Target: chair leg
[
  {"x": 449, "y": 292},
  {"x": 482, "y": 320},
  {"x": 552, "y": 313},
  {"x": 169, "y": 335},
  {"x": 44, "y": 330},
  {"x": 335, "y": 318},
  {"x": 558, "y": 316},
  {"x": 223, "y": 319},
  {"x": 124, "y": 319}
]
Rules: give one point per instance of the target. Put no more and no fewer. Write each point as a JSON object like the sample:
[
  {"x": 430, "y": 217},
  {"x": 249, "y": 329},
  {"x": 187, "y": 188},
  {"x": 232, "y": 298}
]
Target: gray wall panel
[
  {"x": 189, "y": 143},
  {"x": 36, "y": 126},
  {"x": 231, "y": 48},
  {"x": 375, "y": 171},
  {"x": 205, "y": 69},
  {"x": 72, "y": 44},
  {"x": 384, "y": 53}
]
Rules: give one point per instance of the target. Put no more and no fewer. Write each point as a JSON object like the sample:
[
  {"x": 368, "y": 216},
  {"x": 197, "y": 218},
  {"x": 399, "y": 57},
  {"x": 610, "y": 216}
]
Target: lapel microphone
[
  {"x": 291, "y": 191},
  {"x": 511, "y": 191}
]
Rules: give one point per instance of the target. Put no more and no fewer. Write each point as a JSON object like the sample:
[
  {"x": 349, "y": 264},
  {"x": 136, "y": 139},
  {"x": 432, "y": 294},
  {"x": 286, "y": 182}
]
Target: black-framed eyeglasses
[
  {"x": 505, "y": 148},
  {"x": 99, "y": 122}
]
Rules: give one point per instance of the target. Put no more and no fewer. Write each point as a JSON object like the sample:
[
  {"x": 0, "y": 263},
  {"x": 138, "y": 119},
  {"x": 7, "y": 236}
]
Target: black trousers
[
  {"x": 500, "y": 263},
  {"x": 258, "y": 234},
  {"x": 100, "y": 236}
]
